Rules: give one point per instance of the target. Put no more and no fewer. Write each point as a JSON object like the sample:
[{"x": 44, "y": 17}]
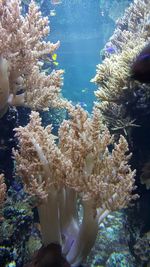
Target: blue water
[
  {"x": 83, "y": 32},
  {"x": 83, "y": 28}
]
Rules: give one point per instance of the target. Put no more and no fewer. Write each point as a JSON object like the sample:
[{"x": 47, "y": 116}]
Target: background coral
[
  {"x": 142, "y": 248},
  {"x": 114, "y": 74},
  {"x": 125, "y": 103}
]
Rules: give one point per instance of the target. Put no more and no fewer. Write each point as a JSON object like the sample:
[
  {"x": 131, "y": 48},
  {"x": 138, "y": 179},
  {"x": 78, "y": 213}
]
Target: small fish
[
  {"x": 82, "y": 104},
  {"x": 56, "y": 2},
  {"x": 140, "y": 70},
  {"x": 54, "y": 56},
  {"x": 55, "y": 63},
  {"x": 84, "y": 90},
  {"x": 79, "y": 103},
  {"x": 52, "y": 13},
  {"x": 110, "y": 49}
]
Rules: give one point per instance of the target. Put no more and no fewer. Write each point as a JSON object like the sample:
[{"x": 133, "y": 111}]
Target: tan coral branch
[{"x": 24, "y": 50}]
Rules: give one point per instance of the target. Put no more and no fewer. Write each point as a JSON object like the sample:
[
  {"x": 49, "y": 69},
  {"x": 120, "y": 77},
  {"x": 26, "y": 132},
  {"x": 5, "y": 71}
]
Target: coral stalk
[
  {"x": 86, "y": 236},
  {"x": 49, "y": 219}
]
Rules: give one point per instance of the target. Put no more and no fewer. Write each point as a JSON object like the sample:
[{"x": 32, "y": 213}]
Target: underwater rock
[
  {"x": 6, "y": 255},
  {"x": 123, "y": 259},
  {"x": 16, "y": 228},
  {"x": 142, "y": 248},
  {"x": 7, "y": 141},
  {"x": 32, "y": 245},
  {"x": 112, "y": 238}
]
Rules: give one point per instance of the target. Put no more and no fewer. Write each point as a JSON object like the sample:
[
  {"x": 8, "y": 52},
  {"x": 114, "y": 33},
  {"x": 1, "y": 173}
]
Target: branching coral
[
  {"x": 135, "y": 16},
  {"x": 131, "y": 35},
  {"x": 117, "y": 119},
  {"x": 22, "y": 47},
  {"x": 113, "y": 74},
  {"x": 46, "y": 89},
  {"x": 120, "y": 98},
  {"x": 86, "y": 166}
]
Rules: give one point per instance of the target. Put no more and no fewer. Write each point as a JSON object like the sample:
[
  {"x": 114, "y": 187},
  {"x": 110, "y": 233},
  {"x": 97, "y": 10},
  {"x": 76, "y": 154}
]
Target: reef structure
[{"x": 124, "y": 99}]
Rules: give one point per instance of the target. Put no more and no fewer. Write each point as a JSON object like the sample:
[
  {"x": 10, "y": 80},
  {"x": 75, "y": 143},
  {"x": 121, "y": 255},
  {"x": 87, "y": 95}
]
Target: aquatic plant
[
  {"x": 22, "y": 47},
  {"x": 87, "y": 169}
]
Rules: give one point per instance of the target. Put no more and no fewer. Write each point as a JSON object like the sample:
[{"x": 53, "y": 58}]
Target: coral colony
[
  {"x": 85, "y": 168},
  {"x": 81, "y": 168},
  {"x": 115, "y": 74},
  {"x": 20, "y": 59}
]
